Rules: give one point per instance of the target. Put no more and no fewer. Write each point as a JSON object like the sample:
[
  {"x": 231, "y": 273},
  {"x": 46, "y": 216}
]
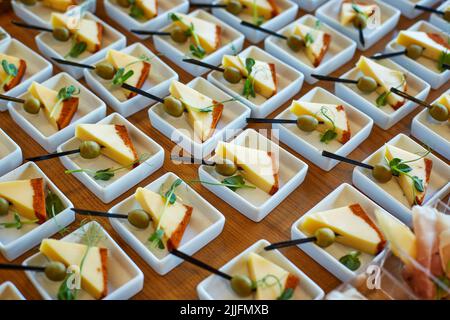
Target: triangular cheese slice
[
  {"x": 348, "y": 12},
  {"x": 324, "y": 112},
  {"x": 317, "y": 42},
  {"x": 27, "y": 197},
  {"x": 60, "y": 20},
  {"x": 386, "y": 78},
  {"x": 59, "y": 5},
  {"x": 266, "y": 9},
  {"x": 203, "y": 122},
  {"x": 257, "y": 166},
  {"x": 433, "y": 43},
  {"x": 150, "y": 7},
  {"x": 114, "y": 139},
  {"x": 141, "y": 69},
  {"x": 352, "y": 224},
  {"x": 421, "y": 168},
  {"x": 94, "y": 271},
  {"x": 7, "y": 82},
  {"x": 175, "y": 217},
  {"x": 271, "y": 280},
  {"x": 208, "y": 33}
]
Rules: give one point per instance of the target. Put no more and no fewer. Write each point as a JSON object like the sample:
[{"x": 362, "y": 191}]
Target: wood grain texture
[{"x": 239, "y": 232}]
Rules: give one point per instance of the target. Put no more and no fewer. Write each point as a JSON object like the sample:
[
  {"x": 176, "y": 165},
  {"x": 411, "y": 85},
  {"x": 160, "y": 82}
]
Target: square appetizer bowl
[
  {"x": 289, "y": 82},
  {"x": 157, "y": 83},
  {"x": 308, "y": 144},
  {"x": 433, "y": 133},
  {"x": 10, "y": 153},
  {"x": 287, "y": 13},
  {"x": 345, "y": 195},
  {"x": 407, "y": 6},
  {"x": 90, "y": 110},
  {"x": 180, "y": 131},
  {"x": 4, "y": 37},
  {"x": 384, "y": 117},
  {"x": 205, "y": 224},
  {"x": 38, "y": 69},
  {"x": 124, "y": 278},
  {"x": 122, "y": 15},
  {"x": 388, "y": 19},
  {"x": 52, "y": 48},
  {"x": 255, "y": 203},
  {"x": 231, "y": 42},
  {"x": 438, "y": 20},
  {"x": 8, "y": 291},
  {"x": 390, "y": 195},
  {"x": 309, "y": 5},
  {"x": 108, "y": 190},
  {"x": 340, "y": 51},
  {"x": 15, "y": 242},
  {"x": 217, "y": 288}
]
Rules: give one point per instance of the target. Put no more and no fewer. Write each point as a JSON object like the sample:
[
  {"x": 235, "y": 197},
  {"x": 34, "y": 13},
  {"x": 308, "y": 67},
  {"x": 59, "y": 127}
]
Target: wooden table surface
[{"x": 239, "y": 232}]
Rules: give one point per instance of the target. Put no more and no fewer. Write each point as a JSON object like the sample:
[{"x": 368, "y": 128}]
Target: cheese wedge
[
  {"x": 59, "y": 20},
  {"x": 433, "y": 43},
  {"x": 263, "y": 74},
  {"x": 348, "y": 12},
  {"x": 354, "y": 226},
  {"x": 257, "y": 166},
  {"x": 324, "y": 112},
  {"x": 114, "y": 139},
  {"x": 59, "y": 5},
  {"x": 150, "y": 7},
  {"x": 266, "y": 9},
  {"x": 94, "y": 271},
  {"x": 27, "y": 197},
  {"x": 173, "y": 220},
  {"x": 208, "y": 33},
  {"x": 203, "y": 123},
  {"x": 271, "y": 279},
  {"x": 421, "y": 168},
  {"x": 386, "y": 78},
  {"x": 317, "y": 42},
  {"x": 8, "y": 81},
  {"x": 141, "y": 69}
]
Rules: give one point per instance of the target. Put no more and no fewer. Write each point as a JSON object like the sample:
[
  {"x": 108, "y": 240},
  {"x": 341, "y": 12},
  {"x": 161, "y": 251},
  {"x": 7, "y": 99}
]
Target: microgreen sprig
[
  {"x": 444, "y": 58},
  {"x": 351, "y": 260},
  {"x": 77, "y": 49},
  {"x": 234, "y": 183},
  {"x": 10, "y": 70},
  {"x": 18, "y": 223},
  {"x": 249, "y": 86},
  {"x": 258, "y": 20},
  {"x": 285, "y": 294},
  {"x": 381, "y": 100},
  {"x": 211, "y": 107},
  {"x": 135, "y": 11},
  {"x": 330, "y": 134}
]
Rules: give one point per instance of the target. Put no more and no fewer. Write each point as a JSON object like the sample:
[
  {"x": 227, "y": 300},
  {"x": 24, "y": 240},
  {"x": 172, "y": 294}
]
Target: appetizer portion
[
  {"x": 140, "y": 9},
  {"x": 260, "y": 10},
  {"x": 12, "y": 70},
  {"x": 356, "y": 13}
]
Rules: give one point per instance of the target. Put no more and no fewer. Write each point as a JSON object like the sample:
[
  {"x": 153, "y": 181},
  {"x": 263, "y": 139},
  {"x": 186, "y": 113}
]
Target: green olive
[
  {"x": 367, "y": 84},
  {"x": 178, "y": 35},
  {"x": 324, "y": 237},
  {"x": 89, "y": 149},
  {"x": 439, "y": 112},
  {"x": 234, "y": 7},
  {"x": 242, "y": 285},
  {"x": 447, "y": 14},
  {"x": 55, "y": 271},
  {"x": 32, "y": 105},
  {"x": 124, "y": 3},
  {"x": 414, "y": 51},
  {"x": 382, "y": 173},
  {"x": 173, "y": 106},
  {"x": 105, "y": 70},
  {"x": 139, "y": 219},
  {"x": 28, "y": 2},
  {"x": 61, "y": 33},
  {"x": 307, "y": 123},
  {"x": 4, "y": 207},
  {"x": 225, "y": 167},
  {"x": 360, "y": 21},
  {"x": 232, "y": 75},
  {"x": 295, "y": 42}
]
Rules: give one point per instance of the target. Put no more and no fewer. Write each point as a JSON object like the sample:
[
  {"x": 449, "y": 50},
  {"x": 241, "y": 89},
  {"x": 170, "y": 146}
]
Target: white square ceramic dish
[
  {"x": 438, "y": 20},
  {"x": 122, "y": 17},
  {"x": 308, "y": 143},
  {"x": 389, "y": 16},
  {"x": 10, "y": 153},
  {"x": 123, "y": 180},
  {"x": 206, "y": 223},
  {"x": 216, "y": 288},
  {"x": 384, "y": 117},
  {"x": 289, "y": 82},
  {"x": 309, "y": 5},
  {"x": 255, "y": 204},
  {"x": 90, "y": 110},
  {"x": 433, "y": 133},
  {"x": 125, "y": 279},
  {"x": 4, "y": 37},
  {"x": 389, "y": 195},
  {"x": 8, "y": 291},
  {"x": 181, "y": 132},
  {"x": 329, "y": 257},
  {"x": 13, "y": 242},
  {"x": 288, "y": 12},
  {"x": 407, "y": 6},
  {"x": 38, "y": 69},
  {"x": 50, "y": 47},
  {"x": 340, "y": 51},
  {"x": 157, "y": 83},
  {"x": 424, "y": 68},
  {"x": 231, "y": 43}
]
